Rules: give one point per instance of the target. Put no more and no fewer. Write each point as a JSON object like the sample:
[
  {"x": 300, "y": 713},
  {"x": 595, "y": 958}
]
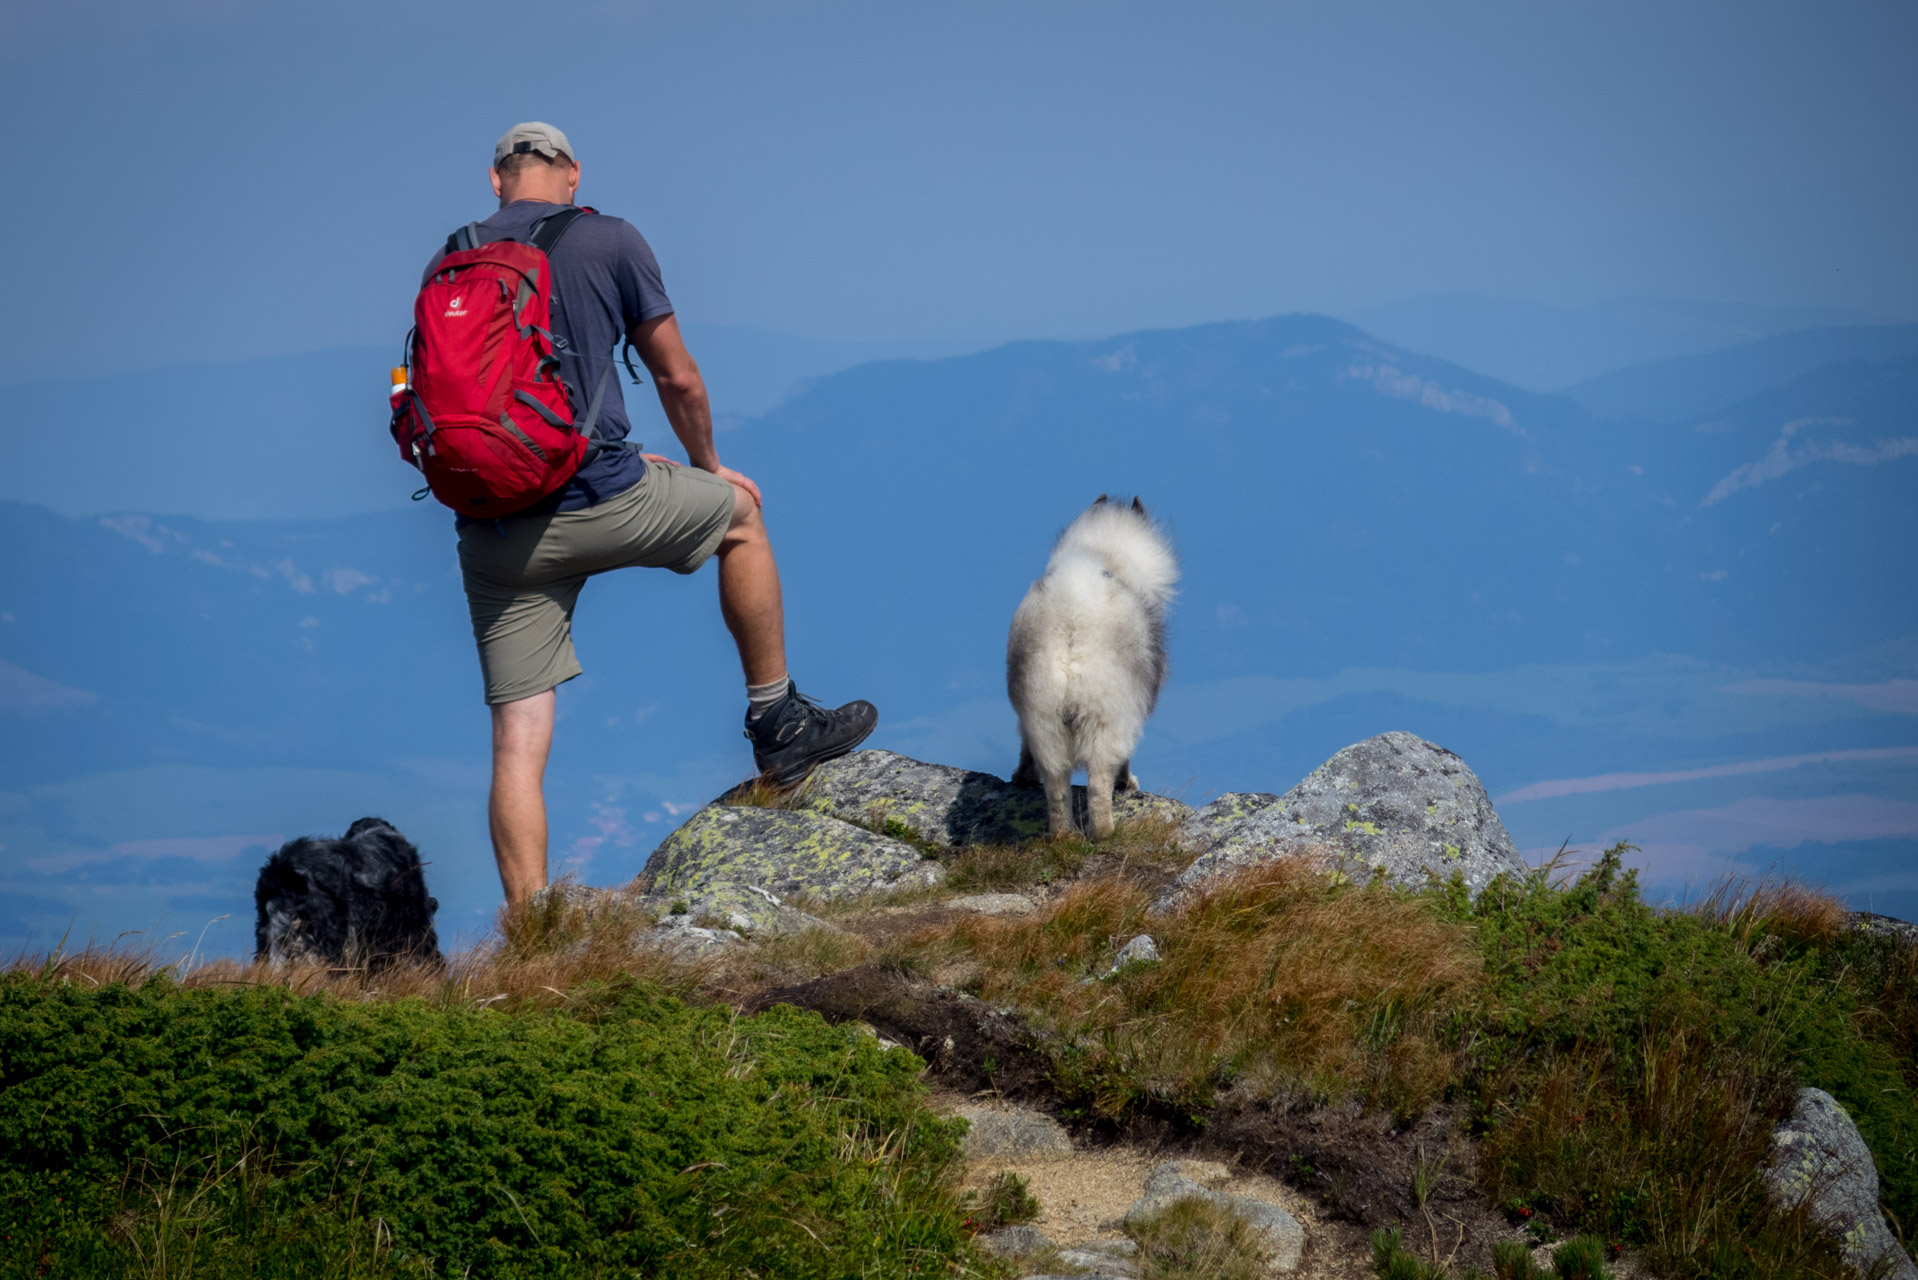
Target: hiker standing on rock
[{"x": 523, "y": 565}]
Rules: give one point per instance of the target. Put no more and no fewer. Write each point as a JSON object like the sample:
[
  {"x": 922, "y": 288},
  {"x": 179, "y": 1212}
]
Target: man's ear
[
  {"x": 572, "y": 184},
  {"x": 494, "y": 175}
]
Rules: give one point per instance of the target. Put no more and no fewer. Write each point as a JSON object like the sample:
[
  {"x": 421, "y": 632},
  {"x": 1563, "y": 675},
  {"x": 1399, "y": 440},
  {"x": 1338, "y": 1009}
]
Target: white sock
[{"x": 759, "y": 697}]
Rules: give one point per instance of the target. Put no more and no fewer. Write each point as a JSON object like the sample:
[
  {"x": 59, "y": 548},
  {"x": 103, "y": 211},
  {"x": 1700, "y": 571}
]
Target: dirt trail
[{"x": 1085, "y": 1196}]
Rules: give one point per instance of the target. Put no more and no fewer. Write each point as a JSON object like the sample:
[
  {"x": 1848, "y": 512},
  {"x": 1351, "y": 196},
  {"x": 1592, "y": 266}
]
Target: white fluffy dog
[{"x": 1086, "y": 658}]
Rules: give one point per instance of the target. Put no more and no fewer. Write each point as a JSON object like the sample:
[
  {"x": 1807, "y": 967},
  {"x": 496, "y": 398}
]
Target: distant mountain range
[
  {"x": 1720, "y": 615},
  {"x": 1686, "y": 388},
  {"x": 1550, "y": 348}
]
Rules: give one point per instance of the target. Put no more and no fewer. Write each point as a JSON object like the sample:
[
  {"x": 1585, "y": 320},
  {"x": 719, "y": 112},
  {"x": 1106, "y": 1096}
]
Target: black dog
[{"x": 359, "y": 900}]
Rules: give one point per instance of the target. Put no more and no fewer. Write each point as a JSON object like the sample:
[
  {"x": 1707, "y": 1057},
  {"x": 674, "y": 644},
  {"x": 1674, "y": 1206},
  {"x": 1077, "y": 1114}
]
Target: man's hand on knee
[{"x": 740, "y": 482}]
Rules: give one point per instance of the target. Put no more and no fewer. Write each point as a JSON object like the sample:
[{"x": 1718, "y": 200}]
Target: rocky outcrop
[
  {"x": 1820, "y": 1160},
  {"x": 1279, "y": 1234},
  {"x": 785, "y": 852},
  {"x": 1890, "y": 928},
  {"x": 1394, "y": 804},
  {"x": 949, "y": 807}
]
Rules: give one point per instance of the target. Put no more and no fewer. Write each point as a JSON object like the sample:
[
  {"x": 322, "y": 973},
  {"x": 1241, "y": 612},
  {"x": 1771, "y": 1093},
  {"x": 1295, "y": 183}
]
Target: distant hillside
[
  {"x": 1688, "y": 387},
  {"x": 304, "y": 436},
  {"x": 1547, "y": 348}
]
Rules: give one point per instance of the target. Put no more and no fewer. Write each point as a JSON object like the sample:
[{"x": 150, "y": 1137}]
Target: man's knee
[
  {"x": 747, "y": 523},
  {"x": 523, "y": 728}
]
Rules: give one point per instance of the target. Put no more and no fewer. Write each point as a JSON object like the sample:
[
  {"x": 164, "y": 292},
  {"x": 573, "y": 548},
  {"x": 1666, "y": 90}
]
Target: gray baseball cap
[{"x": 533, "y": 136}]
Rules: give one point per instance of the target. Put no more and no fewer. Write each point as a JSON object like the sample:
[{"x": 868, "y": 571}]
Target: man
[{"x": 524, "y": 573}]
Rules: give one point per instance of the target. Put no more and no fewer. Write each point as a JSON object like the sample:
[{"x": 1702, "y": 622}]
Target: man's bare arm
[{"x": 682, "y": 394}]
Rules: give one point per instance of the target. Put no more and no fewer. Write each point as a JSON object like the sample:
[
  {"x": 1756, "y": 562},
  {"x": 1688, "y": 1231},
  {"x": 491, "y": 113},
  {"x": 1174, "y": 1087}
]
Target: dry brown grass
[
  {"x": 783, "y": 961},
  {"x": 1795, "y": 912},
  {"x": 1677, "y": 1134},
  {"x": 534, "y": 957},
  {"x": 757, "y": 793},
  {"x": 1275, "y": 980}
]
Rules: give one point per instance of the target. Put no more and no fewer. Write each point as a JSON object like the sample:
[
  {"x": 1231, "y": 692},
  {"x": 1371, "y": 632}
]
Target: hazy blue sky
[{"x": 221, "y": 178}]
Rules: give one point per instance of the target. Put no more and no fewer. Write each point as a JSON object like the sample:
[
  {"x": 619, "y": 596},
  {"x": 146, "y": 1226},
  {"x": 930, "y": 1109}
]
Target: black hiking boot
[{"x": 795, "y": 735}]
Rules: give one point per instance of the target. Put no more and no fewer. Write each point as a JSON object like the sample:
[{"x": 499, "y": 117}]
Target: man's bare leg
[
  {"x": 516, "y": 811},
  {"x": 749, "y": 597},
  {"x": 790, "y": 732}
]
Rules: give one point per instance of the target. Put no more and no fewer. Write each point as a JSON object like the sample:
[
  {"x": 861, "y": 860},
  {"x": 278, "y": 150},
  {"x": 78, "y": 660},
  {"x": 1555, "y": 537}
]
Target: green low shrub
[
  {"x": 163, "y": 1130},
  {"x": 1635, "y": 1061}
]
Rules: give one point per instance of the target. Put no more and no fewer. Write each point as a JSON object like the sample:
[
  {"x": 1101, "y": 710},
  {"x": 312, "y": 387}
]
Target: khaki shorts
[{"x": 523, "y": 574}]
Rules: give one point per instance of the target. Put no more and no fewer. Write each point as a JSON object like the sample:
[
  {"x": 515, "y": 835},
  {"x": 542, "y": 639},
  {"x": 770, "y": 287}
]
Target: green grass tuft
[
  {"x": 1195, "y": 1239},
  {"x": 1007, "y": 1200}
]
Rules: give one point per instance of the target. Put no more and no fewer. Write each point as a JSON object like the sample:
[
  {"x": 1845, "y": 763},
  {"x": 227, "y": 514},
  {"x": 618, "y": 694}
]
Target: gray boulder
[
  {"x": 785, "y": 852},
  {"x": 1278, "y": 1233},
  {"x": 994, "y": 904},
  {"x": 1395, "y": 804},
  {"x": 1015, "y": 1134},
  {"x": 1013, "y": 1242},
  {"x": 1818, "y": 1156},
  {"x": 945, "y": 806},
  {"x": 692, "y": 941},
  {"x": 1086, "y": 1261},
  {"x": 1141, "y": 950}
]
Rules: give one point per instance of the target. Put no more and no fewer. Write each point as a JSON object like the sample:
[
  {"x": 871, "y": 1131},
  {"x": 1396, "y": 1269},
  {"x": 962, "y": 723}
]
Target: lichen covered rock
[
  {"x": 949, "y": 807},
  {"x": 786, "y": 852},
  {"x": 1209, "y": 824},
  {"x": 713, "y": 916},
  {"x": 1819, "y": 1156},
  {"x": 725, "y": 904},
  {"x": 1395, "y": 804}
]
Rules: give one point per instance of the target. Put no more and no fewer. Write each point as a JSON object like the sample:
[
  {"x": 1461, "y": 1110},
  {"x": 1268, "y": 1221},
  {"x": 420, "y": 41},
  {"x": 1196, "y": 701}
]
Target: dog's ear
[
  {"x": 1099, "y": 501},
  {"x": 1139, "y": 507}
]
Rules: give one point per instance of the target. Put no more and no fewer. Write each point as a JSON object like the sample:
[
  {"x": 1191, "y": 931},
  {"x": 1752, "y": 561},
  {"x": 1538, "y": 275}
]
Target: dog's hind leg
[
  {"x": 1125, "y": 779},
  {"x": 1059, "y": 801},
  {"x": 1099, "y": 776},
  {"x": 1027, "y": 774}
]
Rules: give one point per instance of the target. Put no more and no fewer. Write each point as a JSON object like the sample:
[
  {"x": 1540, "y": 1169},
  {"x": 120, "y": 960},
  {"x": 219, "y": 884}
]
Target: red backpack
[{"x": 483, "y": 414}]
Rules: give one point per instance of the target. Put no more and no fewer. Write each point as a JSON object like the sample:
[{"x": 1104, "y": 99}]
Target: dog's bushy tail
[{"x": 1126, "y": 544}]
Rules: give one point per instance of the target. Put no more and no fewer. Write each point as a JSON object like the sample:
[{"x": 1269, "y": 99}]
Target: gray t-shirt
[{"x": 605, "y": 280}]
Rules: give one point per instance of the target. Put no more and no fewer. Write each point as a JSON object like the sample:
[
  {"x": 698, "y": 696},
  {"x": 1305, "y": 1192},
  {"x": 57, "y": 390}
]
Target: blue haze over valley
[{"x": 1646, "y": 562}]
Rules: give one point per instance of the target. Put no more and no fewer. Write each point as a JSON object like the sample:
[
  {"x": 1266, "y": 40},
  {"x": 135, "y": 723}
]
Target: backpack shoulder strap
[
  {"x": 467, "y": 237},
  {"x": 545, "y": 233}
]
